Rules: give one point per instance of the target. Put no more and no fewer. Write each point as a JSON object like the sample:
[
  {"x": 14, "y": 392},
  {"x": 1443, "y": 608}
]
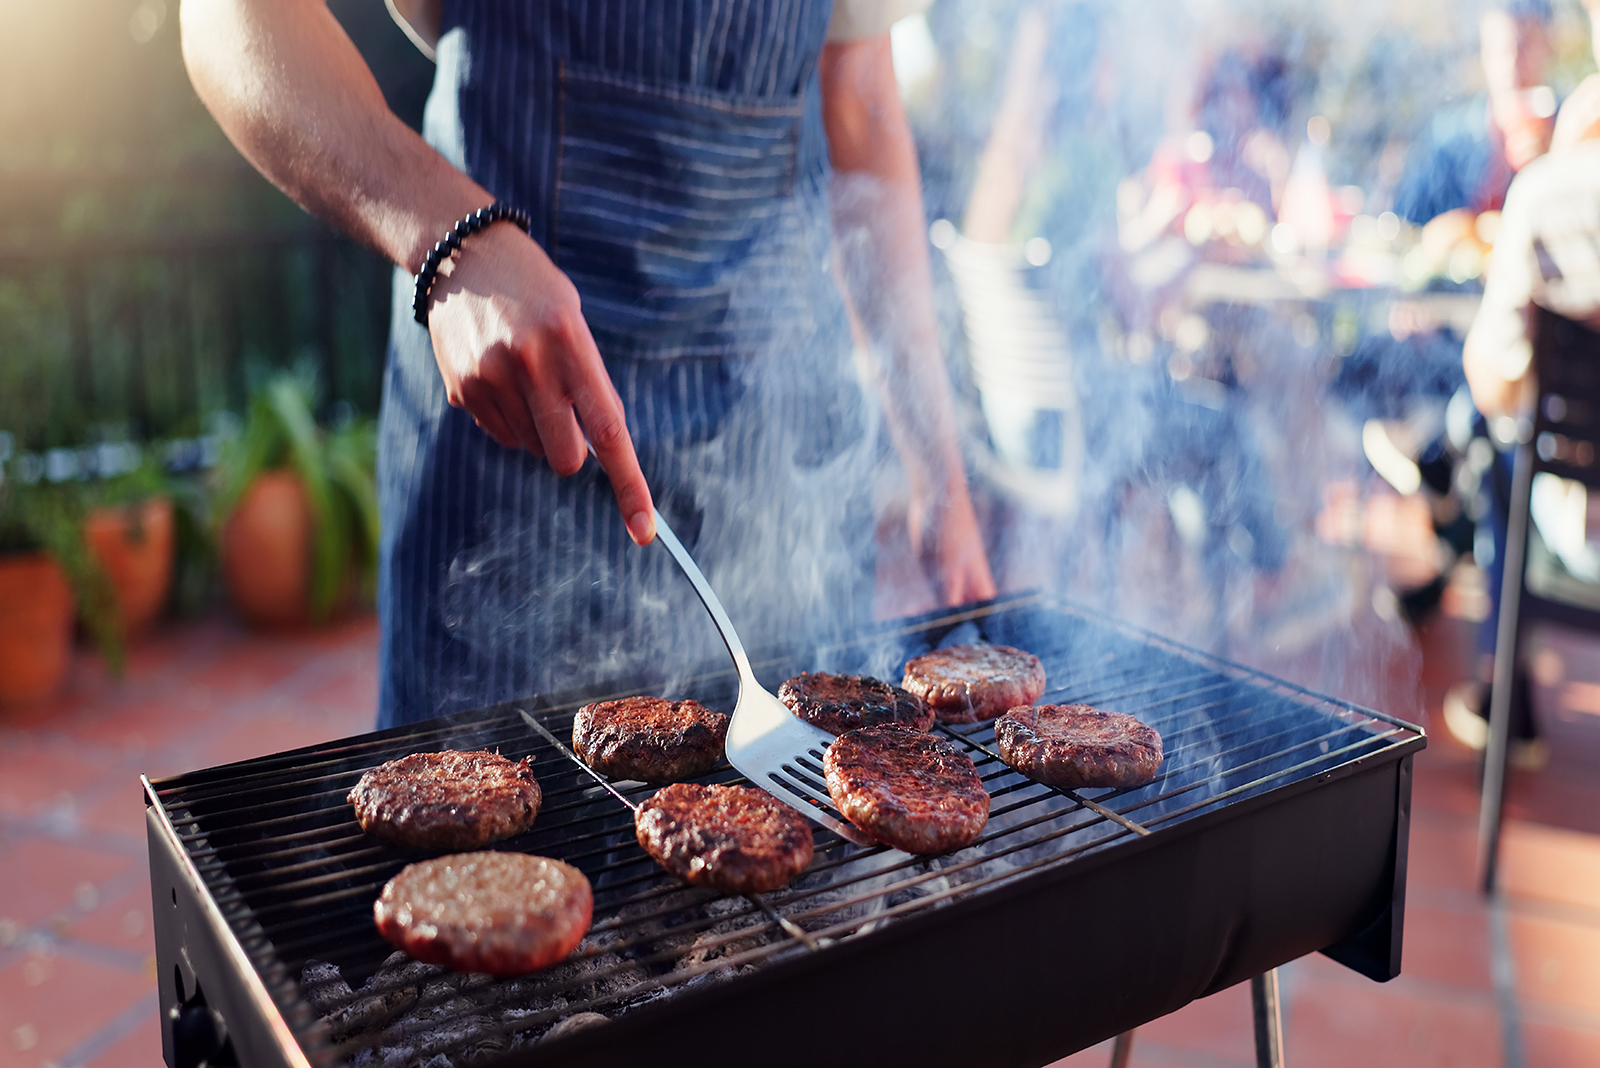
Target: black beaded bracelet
[{"x": 481, "y": 219}]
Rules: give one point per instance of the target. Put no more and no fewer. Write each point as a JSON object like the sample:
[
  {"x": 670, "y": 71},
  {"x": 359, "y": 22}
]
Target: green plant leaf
[
  {"x": 330, "y": 535},
  {"x": 258, "y": 449},
  {"x": 352, "y": 461}
]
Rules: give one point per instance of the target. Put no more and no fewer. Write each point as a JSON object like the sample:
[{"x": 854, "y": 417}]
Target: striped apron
[{"x": 672, "y": 155}]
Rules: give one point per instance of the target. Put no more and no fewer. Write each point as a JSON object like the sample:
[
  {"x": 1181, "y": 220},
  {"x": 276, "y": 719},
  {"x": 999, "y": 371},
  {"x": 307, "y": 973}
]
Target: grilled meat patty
[
  {"x": 1073, "y": 746},
  {"x": 907, "y": 789},
  {"x": 839, "y": 703},
  {"x": 967, "y": 683},
  {"x": 447, "y": 800},
  {"x": 650, "y": 739},
  {"x": 733, "y": 838},
  {"x": 501, "y": 913}
]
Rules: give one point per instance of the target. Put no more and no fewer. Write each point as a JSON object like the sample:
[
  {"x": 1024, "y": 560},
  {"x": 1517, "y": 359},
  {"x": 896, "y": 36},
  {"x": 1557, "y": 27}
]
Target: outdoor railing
[{"x": 149, "y": 338}]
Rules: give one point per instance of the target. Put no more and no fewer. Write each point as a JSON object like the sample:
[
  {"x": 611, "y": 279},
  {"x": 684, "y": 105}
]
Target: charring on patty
[
  {"x": 1073, "y": 746},
  {"x": 839, "y": 703},
  {"x": 650, "y": 739},
  {"x": 447, "y": 800},
  {"x": 501, "y": 913},
  {"x": 907, "y": 789},
  {"x": 967, "y": 683},
  {"x": 733, "y": 838}
]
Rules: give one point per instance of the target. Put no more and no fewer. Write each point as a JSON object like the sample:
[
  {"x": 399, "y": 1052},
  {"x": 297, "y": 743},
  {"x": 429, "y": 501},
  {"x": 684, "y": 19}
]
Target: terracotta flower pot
[
  {"x": 134, "y": 545},
  {"x": 36, "y": 614},
  {"x": 266, "y": 552}
]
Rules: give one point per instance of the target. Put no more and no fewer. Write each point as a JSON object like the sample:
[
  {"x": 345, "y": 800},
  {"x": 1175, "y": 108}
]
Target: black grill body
[{"x": 1277, "y": 827}]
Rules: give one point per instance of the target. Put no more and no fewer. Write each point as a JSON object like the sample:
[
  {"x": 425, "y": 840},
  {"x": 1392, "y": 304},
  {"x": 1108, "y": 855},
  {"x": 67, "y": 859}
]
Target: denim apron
[{"x": 672, "y": 155}]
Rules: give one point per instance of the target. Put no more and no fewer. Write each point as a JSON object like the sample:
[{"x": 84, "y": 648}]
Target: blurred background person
[{"x": 1545, "y": 257}]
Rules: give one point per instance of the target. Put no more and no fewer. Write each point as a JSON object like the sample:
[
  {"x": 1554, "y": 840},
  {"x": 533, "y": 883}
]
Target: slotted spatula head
[{"x": 766, "y": 742}]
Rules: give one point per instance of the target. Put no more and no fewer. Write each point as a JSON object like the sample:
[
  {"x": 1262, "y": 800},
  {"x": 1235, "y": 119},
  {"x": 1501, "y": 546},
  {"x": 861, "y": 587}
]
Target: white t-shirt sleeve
[
  {"x": 854, "y": 20},
  {"x": 1500, "y": 330}
]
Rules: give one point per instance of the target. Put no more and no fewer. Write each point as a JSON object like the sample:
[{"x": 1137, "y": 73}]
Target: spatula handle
[
  {"x": 730, "y": 637},
  {"x": 708, "y": 598}
]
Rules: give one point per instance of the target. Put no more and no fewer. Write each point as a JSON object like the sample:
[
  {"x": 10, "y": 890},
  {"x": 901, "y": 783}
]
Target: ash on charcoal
[
  {"x": 578, "y": 1021},
  {"x": 415, "y": 1015},
  {"x": 324, "y": 986}
]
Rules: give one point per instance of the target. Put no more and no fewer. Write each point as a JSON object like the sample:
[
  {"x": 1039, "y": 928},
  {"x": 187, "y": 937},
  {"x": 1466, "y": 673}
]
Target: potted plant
[
  {"x": 129, "y": 527},
  {"x": 296, "y": 509},
  {"x": 46, "y": 572}
]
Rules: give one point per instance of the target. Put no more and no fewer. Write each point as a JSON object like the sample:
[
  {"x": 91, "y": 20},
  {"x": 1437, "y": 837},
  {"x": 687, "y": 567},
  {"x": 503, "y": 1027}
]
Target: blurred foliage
[
  {"x": 48, "y": 517},
  {"x": 136, "y": 294},
  {"x": 338, "y": 468}
]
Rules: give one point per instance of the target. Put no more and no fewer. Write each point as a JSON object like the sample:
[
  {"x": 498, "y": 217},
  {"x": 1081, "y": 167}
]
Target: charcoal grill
[{"x": 1277, "y": 827}]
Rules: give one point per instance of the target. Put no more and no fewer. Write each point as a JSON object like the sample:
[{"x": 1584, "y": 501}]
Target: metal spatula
[{"x": 766, "y": 742}]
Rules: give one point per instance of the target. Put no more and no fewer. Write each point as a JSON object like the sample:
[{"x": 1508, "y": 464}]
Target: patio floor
[{"x": 77, "y": 966}]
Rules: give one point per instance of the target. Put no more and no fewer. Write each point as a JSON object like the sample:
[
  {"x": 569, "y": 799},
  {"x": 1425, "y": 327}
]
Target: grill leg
[
  {"x": 1269, "y": 1020},
  {"x": 1121, "y": 1049}
]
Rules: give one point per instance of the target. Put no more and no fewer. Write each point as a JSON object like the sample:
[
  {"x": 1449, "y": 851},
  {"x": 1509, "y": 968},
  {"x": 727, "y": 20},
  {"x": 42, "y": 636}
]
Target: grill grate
[{"x": 295, "y": 878}]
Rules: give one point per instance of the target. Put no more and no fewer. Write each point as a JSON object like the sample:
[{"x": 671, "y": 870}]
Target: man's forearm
[
  {"x": 293, "y": 94},
  {"x": 878, "y": 218}
]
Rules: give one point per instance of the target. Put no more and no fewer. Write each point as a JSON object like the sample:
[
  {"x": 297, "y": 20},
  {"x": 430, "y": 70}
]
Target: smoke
[
  {"x": 1145, "y": 434},
  {"x": 1221, "y": 366}
]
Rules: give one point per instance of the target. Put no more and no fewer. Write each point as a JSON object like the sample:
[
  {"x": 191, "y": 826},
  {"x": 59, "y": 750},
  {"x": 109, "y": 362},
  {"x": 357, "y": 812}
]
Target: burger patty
[
  {"x": 1073, "y": 746},
  {"x": 967, "y": 683},
  {"x": 907, "y": 789},
  {"x": 650, "y": 739},
  {"x": 447, "y": 800},
  {"x": 733, "y": 838},
  {"x": 501, "y": 913},
  {"x": 839, "y": 703}
]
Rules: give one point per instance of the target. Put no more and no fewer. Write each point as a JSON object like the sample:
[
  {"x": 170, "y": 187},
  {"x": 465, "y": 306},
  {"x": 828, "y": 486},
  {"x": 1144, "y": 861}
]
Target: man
[
  {"x": 673, "y": 302},
  {"x": 1547, "y": 255}
]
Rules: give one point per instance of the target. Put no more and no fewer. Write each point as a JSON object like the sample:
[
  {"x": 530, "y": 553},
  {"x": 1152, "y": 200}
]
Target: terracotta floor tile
[
  {"x": 1551, "y": 864},
  {"x": 271, "y": 732},
  {"x": 1154, "y": 1055},
  {"x": 352, "y": 695},
  {"x": 1447, "y": 947},
  {"x": 1548, "y": 1046},
  {"x": 139, "y": 1048},
  {"x": 1447, "y": 780},
  {"x": 1093, "y": 1057},
  {"x": 152, "y": 723},
  {"x": 124, "y": 922},
  {"x": 1219, "y": 1026},
  {"x": 50, "y": 1004},
  {"x": 1443, "y": 851},
  {"x": 39, "y": 778},
  {"x": 1556, "y": 962},
  {"x": 248, "y": 668},
  {"x": 41, "y": 877},
  {"x": 1338, "y": 1024},
  {"x": 120, "y": 809}
]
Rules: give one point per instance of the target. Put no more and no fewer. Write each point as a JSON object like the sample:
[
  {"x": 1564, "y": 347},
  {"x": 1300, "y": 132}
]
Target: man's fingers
[
  {"x": 504, "y": 387},
  {"x": 491, "y": 422},
  {"x": 563, "y": 442},
  {"x": 486, "y": 410},
  {"x": 608, "y": 433}
]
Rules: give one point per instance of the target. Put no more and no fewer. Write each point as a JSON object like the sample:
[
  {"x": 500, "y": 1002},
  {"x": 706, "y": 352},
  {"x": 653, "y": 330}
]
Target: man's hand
[
  {"x": 514, "y": 351},
  {"x": 293, "y": 94},
  {"x": 945, "y": 537}
]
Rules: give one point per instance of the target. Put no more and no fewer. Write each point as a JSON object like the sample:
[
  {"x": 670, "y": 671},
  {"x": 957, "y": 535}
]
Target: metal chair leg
[
  {"x": 1496, "y": 753},
  {"x": 1268, "y": 1019},
  {"x": 1121, "y": 1050}
]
